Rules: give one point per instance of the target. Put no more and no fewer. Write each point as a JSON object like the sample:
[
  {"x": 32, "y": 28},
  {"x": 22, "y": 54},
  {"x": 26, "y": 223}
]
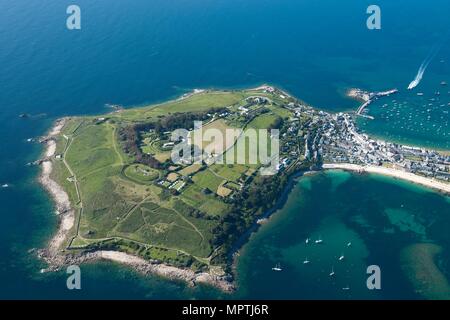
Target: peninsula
[{"x": 120, "y": 196}]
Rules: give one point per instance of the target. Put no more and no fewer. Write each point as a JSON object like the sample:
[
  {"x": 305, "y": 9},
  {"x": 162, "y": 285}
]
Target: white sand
[{"x": 408, "y": 176}]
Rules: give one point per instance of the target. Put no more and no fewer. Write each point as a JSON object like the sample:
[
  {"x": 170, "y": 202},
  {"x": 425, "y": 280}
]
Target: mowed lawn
[
  {"x": 207, "y": 180},
  {"x": 213, "y": 137},
  {"x": 229, "y": 172},
  {"x": 246, "y": 150}
]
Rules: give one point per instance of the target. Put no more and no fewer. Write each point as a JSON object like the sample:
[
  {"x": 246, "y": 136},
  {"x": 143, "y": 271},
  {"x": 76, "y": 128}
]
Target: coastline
[
  {"x": 65, "y": 212},
  {"x": 57, "y": 257},
  {"x": 395, "y": 173},
  {"x": 139, "y": 265}
]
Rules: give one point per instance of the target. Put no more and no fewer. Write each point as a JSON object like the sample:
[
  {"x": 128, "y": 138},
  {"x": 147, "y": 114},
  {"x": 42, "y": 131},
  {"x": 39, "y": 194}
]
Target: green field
[
  {"x": 199, "y": 102},
  {"x": 230, "y": 172},
  {"x": 126, "y": 205},
  {"x": 207, "y": 180},
  {"x": 264, "y": 121}
]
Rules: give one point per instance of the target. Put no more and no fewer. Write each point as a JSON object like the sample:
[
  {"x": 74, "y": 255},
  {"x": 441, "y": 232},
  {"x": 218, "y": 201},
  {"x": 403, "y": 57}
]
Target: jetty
[{"x": 368, "y": 98}]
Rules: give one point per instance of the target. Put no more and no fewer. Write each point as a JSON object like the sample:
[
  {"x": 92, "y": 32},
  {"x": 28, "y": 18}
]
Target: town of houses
[{"x": 335, "y": 138}]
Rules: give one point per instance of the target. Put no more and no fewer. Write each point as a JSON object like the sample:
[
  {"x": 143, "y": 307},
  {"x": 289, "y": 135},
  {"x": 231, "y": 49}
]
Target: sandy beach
[{"x": 408, "y": 176}]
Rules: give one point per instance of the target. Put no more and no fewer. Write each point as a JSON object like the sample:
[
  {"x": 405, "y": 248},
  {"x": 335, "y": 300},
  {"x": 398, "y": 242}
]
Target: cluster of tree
[
  {"x": 277, "y": 123},
  {"x": 261, "y": 195},
  {"x": 131, "y": 135},
  {"x": 263, "y": 192},
  {"x": 130, "y": 139},
  {"x": 179, "y": 120}
]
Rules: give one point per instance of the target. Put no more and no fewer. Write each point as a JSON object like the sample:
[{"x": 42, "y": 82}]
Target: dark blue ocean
[{"x": 145, "y": 51}]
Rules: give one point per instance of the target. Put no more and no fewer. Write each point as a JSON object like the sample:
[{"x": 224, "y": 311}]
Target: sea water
[{"x": 150, "y": 51}]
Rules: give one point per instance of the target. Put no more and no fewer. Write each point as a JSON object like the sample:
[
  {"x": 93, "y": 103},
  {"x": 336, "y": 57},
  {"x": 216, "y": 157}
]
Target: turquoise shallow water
[
  {"x": 379, "y": 216},
  {"x": 150, "y": 51}
]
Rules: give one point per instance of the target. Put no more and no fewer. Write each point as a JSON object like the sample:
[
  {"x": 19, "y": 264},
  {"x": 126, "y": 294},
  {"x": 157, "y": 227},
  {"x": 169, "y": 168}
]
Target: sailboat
[
  {"x": 349, "y": 244},
  {"x": 342, "y": 257},
  {"x": 307, "y": 240},
  {"x": 332, "y": 272},
  {"x": 306, "y": 261},
  {"x": 277, "y": 268},
  {"x": 318, "y": 241}
]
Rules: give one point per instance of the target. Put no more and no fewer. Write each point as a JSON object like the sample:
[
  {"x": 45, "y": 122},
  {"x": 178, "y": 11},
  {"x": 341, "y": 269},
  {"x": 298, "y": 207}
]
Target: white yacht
[
  {"x": 306, "y": 261},
  {"x": 277, "y": 268},
  {"x": 342, "y": 257},
  {"x": 332, "y": 272}
]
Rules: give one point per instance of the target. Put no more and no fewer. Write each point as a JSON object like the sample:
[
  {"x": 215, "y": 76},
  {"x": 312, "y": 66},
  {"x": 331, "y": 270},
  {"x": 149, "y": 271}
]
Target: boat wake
[{"x": 424, "y": 65}]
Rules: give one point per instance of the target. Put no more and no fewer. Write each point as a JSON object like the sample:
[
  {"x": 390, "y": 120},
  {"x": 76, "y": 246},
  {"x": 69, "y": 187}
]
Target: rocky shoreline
[
  {"x": 144, "y": 267},
  {"x": 60, "y": 197}
]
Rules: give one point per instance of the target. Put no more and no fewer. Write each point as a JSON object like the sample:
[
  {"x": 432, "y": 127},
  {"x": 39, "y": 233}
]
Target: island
[{"x": 120, "y": 196}]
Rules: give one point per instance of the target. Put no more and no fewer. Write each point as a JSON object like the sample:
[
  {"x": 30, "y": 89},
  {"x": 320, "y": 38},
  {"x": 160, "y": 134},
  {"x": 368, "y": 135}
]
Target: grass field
[
  {"x": 207, "y": 179},
  {"x": 209, "y": 132},
  {"x": 126, "y": 205},
  {"x": 190, "y": 170},
  {"x": 230, "y": 172},
  {"x": 194, "y": 196},
  {"x": 198, "y": 102},
  {"x": 263, "y": 121}
]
